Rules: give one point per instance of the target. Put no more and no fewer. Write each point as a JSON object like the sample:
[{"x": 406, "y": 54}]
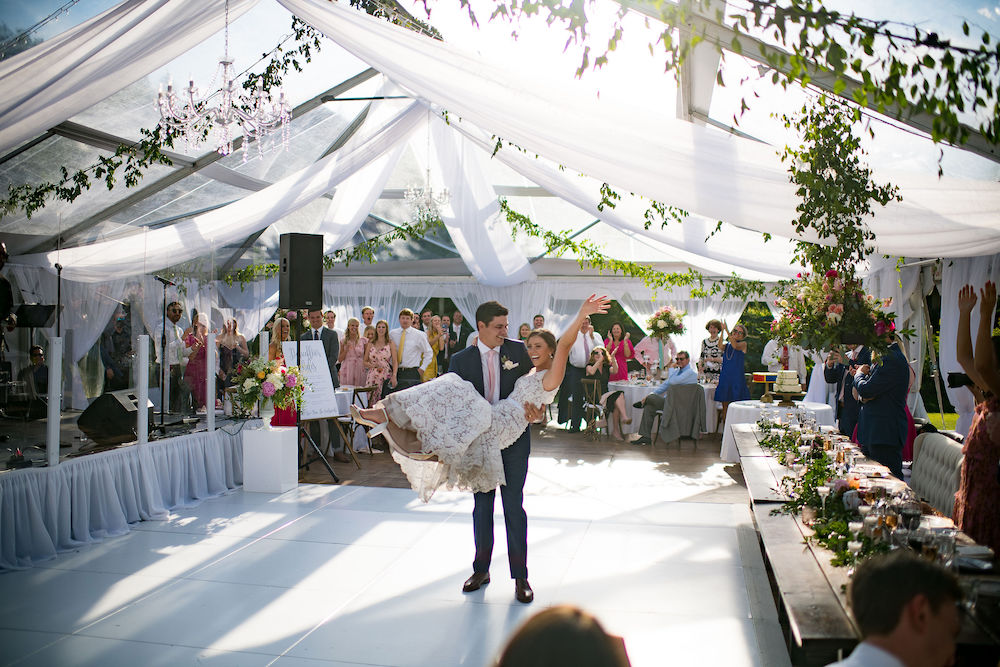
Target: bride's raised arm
[{"x": 592, "y": 306}]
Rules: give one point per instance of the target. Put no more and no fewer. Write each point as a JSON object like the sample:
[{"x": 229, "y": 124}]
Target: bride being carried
[{"x": 444, "y": 433}]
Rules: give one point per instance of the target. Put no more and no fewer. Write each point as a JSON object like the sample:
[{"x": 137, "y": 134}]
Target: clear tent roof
[{"x": 171, "y": 194}]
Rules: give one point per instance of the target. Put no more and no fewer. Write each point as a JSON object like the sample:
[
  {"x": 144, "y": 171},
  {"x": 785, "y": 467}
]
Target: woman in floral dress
[{"x": 380, "y": 360}]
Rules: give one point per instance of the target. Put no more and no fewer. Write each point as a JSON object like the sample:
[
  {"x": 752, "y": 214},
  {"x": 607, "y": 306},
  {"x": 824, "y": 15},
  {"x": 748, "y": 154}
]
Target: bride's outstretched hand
[{"x": 594, "y": 305}]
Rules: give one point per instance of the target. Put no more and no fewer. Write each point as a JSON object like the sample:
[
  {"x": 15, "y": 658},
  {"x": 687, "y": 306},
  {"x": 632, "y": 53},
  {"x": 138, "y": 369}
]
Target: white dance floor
[{"x": 331, "y": 575}]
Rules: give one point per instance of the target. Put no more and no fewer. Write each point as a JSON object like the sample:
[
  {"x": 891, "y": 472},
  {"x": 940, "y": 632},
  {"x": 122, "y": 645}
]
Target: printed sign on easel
[{"x": 318, "y": 399}]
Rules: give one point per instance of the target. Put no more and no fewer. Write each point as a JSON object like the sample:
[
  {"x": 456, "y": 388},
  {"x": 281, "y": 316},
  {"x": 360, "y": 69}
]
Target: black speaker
[
  {"x": 111, "y": 418},
  {"x": 300, "y": 278}
]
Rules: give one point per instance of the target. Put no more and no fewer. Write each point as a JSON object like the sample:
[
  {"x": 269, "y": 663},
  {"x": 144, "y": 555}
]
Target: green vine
[{"x": 590, "y": 256}]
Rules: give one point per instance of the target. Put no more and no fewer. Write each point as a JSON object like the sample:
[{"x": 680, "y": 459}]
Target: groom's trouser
[{"x": 515, "y": 466}]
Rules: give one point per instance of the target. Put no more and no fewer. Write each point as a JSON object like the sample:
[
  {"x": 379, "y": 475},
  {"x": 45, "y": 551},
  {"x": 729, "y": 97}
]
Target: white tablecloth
[
  {"x": 636, "y": 392},
  {"x": 747, "y": 412}
]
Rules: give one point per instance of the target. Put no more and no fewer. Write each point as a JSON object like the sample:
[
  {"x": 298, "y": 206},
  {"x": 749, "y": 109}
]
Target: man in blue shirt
[{"x": 680, "y": 373}]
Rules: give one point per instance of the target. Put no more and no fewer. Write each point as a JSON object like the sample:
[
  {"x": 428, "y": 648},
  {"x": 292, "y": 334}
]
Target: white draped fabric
[
  {"x": 695, "y": 168},
  {"x": 47, "y": 510},
  {"x": 640, "y": 305},
  {"x": 955, "y": 273},
  {"x": 65, "y": 75},
  {"x": 151, "y": 250}
]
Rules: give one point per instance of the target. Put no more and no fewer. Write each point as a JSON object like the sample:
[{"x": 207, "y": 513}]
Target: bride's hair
[{"x": 546, "y": 336}]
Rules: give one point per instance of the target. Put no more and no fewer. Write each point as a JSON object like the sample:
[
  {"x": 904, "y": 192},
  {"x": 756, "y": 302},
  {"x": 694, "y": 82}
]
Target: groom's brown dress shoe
[
  {"x": 475, "y": 581},
  {"x": 522, "y": 591}
]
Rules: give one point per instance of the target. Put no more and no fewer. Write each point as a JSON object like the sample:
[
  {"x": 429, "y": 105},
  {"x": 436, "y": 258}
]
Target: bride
[{"x": 444, "y": 433}]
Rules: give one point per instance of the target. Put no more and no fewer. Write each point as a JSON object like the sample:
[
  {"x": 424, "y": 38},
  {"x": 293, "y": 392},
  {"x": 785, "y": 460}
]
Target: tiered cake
[{"x": 788, "y": 382}]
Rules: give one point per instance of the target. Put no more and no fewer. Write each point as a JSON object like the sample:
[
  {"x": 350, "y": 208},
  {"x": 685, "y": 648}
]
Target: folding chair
[
  {"x": 362, "y": 399},
  {"x": 592, "y": 408}
]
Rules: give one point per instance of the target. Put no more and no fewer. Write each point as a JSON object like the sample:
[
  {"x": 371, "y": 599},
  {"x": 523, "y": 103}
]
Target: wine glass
[{"x": 823, "y": 492}]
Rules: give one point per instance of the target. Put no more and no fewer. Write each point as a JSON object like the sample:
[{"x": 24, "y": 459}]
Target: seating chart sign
[{"x": 318, "y": 399}]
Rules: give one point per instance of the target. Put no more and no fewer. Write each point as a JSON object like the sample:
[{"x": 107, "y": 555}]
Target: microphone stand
[
  {"x": 59, "y": 269},
  {"x": 163, "y": 353}
]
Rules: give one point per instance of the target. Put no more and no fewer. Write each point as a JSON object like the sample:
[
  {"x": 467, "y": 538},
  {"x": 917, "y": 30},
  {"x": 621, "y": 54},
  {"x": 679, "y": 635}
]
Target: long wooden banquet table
[{"x": 810, "y": 593}]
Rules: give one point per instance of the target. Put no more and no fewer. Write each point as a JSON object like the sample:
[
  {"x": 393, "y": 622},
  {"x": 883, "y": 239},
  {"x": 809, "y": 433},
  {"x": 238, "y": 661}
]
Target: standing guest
[
  {"x": 326, "y": 431},
  {"x": 196, "y": 369},
  {"x": 732, "y": 383},
  {"x": 367, "y": 315},
  {"x": 571, "y": 392},
  {"x": 435, "y": 338},
  {"x": 352, "y": 356},
  {"x": 882, "y": 421},
  {"x": 601, "y": 367},
  {"x": 330, "y": 319},
  {"x": 472, "y": 340},
  {"x": 413, "y": 352},
  {"x": 176, "y": 360},
  {"x": 907, "y": 609},
  {"x": 232, "y": 350},
  {"x": 425, "y": 320},
  {"x": 710, "y": 359},
  {"x": 461, "y": 328},
  {"x": 369, "y": 335},
  {"x": 680, "y": 373},
  {"x": 779, "y": 357},
  {"x": 380, "y": 360},
  {"x": 840, "y": 369},
  {"x": 538, "y": 322},
  {"x": 977, "y": 503},
  {"x": 619, "y": 346},
  {"x": 275, "y": 352},
  {"x": 449, "y": 345},
  {"x": 523, "y": 331}
]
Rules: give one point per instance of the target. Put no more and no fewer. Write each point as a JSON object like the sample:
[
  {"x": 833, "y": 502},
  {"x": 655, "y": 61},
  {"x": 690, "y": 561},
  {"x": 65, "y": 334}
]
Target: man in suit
[
  {"x": 461, "y": 328},
  {"x": 493, "y": 365},
  {"x": 448, "y": 347},
  {"x": 882, "y": 420},
  {"x": 331, "y": 346},
  {"x": 840, "y": 370}
]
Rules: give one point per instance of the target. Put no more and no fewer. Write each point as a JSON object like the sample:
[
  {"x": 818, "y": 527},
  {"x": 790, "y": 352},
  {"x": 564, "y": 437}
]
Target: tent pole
[{"x": 935, "y": 374}]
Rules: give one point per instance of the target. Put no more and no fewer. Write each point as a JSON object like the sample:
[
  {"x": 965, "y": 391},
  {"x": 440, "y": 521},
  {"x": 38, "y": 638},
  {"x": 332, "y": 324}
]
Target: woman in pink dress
[
  {"x": 977, "y": 503},
  {"x": 380, "y": 360},
  {"x": 282, "y": 416},
  {"x": 620, "y": 347},
  {"x": 352, "y": 355},
  {"x": 194, "y": 372}
]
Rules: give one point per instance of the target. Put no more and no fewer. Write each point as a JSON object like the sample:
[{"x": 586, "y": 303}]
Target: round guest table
[
  {"x": 635, "y": 391},
  {"x": 747, "y": 412}
]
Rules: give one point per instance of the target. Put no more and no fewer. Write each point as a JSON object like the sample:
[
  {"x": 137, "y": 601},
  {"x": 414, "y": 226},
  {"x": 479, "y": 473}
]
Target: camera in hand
[{"x": 956, "y": 380}]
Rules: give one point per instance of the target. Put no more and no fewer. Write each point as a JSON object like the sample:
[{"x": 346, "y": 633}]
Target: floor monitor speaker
[
  {"x": 111, "y": 418},
  {"x": 300, "y": 275}
]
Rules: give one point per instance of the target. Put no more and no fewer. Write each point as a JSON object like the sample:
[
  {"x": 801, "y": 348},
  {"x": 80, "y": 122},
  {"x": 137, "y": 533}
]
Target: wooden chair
[
  {"x": 362, "y": 399},
  {"x": 592, "y": 408}
]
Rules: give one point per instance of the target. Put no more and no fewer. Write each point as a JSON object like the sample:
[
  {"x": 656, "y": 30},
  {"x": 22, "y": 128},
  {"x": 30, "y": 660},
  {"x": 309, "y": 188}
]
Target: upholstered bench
[{"x": 937, "y": 470}]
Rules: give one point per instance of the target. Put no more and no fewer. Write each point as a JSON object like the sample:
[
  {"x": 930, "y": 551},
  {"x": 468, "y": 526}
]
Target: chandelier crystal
[
  {"x": 426, "y": 204},
  {"x": 254, "y": 117}
]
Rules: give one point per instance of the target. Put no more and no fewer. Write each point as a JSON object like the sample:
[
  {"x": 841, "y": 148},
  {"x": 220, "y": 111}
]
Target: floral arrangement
[
  {"x": 820, "y": 312},
  {"x": 258, "y": 379},
  {"x": 666, "y": 321}
]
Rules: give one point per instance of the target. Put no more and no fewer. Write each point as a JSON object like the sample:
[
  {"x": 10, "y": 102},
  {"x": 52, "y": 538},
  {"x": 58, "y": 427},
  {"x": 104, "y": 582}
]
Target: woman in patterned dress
[
  {"x": 380, "y": 360},
  {"x": 352, "y": 355},
  {"x": 977, "y": 503},
  {"x": 710, "y": 360}
]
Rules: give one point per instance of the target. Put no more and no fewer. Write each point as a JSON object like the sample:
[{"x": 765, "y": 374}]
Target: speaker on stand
[{"x": 300, "y": 285}]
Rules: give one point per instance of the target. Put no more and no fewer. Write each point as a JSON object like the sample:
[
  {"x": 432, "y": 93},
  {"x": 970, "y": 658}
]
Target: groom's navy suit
[{"x": 468, "y": 365}]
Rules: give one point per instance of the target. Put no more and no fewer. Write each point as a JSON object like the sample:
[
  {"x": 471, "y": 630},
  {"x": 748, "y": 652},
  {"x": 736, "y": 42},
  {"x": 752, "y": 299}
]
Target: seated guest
[
  {"x": 563, "y": 635},
  {"x": 413, "y": 352},
  {"x": 680, "y": 373},
  {"x": 882, "y": 426},
  {"x": 906, "y": 608},
  {"x": 977, "y": 503},
  {"x": 36, "y": 374},
  {"x": 840, "y": 369},
  {"x": 778, "y": 357},
  {"x": 601, "y": 367}
]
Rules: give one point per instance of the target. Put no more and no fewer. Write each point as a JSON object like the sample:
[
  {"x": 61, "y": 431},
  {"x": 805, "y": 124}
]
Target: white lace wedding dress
[{"x": 454, "y": 422}]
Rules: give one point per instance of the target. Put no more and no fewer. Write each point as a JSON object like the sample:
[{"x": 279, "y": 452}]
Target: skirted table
[{"x": 747, "y": 412}]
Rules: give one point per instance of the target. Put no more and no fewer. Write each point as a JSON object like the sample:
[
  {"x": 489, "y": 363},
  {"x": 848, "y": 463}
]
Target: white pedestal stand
[{"x": 270, "y": 459}]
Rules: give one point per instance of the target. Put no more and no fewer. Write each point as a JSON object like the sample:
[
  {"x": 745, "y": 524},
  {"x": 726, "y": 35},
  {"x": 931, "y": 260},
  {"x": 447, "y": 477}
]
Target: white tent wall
[{"x": 955, "y": 273}]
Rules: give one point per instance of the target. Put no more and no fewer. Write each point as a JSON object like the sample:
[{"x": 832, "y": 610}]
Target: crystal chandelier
[
  {"x": 425, "y": 204},
  {"x": 254, "y": 117}
]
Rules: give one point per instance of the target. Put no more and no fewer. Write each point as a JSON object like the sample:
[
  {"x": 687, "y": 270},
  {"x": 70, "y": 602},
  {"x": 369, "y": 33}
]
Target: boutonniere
[{"x": 507, "y": 364}]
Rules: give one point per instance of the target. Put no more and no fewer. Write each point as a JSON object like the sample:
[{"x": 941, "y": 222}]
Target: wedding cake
[{"x": 788, "y": 382}]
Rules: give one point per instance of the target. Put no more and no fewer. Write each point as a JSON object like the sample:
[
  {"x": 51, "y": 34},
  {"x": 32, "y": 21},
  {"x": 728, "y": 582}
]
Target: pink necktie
[
  {"x": 586, "y": 348},
  {"x": 491, "y": 368}
]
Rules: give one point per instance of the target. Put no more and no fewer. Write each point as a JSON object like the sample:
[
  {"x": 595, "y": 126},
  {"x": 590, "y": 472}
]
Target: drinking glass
[{"x": 946, "y": 548}]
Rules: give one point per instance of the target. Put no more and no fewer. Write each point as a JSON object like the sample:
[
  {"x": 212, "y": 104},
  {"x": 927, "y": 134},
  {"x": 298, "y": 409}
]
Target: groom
[{"x": 493, "y": 365}]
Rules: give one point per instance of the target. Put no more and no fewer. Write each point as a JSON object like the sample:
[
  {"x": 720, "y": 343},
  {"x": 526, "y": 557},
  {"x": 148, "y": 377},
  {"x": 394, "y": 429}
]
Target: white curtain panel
[
  {"x": 66, "y": 74},
  {"x": 152, "y": 250},
  {"x": 718, "y": 176},
  {"x": 956, "y": 273}
]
